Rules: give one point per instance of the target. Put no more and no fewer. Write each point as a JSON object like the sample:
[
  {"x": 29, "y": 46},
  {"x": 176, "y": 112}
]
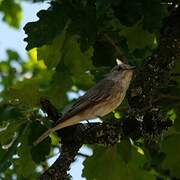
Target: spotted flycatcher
[{"x": 98, "y": 101}]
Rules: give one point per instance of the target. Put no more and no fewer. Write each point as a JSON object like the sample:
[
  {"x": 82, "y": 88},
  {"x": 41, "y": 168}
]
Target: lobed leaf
[
  {"x": 171, "y": 147},
  {"x": 109, "y": 164}
]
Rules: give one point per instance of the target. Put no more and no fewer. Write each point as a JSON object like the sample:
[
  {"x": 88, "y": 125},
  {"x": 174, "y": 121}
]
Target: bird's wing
[{"x": 97, "y": 93}]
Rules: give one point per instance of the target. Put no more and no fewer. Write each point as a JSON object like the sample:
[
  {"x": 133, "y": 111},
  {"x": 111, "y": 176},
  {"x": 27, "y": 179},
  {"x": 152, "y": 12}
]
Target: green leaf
[
  {"x": 12, "y": 12},
  {"x": 171, "y": 147},
  {"x": 85, "y": 81},
  {"x": 24, "y": 164},
  {"x": 6, "y": 155},
  {"x": 52, "y": 53},
  {"x": 40, "y": 151},
  {"x": 84, "y": 23},
  {"x": 107, "y": 163},
  {"x": 12, "y": 55},
  {"x": 51, "y": 22},
  {"x": 76, "y": 61},
  {"x": 137, "y": 38},
  {"x": 177, "y": 120},
  {"x": 61, "y": 82},
  {"x": 81, "y": 18},
  {"x": 4, "y": 163},
  {"x": 154, "y": 11},
  {"x": 128, "y": 12},
  {"x": 9, "y": 133},
  {"x": 125, "y": 150},
  {"x": 9, "y": 112},
  {"x": 26, "y": 92}
]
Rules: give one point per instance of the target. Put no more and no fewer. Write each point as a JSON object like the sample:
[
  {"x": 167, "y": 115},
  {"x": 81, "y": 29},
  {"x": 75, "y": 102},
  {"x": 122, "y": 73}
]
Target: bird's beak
[{"x": 131, "y": 68}]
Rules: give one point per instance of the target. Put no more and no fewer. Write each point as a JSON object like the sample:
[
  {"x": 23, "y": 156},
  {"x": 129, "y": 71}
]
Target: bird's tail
[{"x": 64, "y": 124}]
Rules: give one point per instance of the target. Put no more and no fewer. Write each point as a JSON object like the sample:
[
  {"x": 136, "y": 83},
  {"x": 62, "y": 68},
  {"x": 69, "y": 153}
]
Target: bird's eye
[
  {"x": 119, "y": 68},
  {"x": 116, "y": 68}
]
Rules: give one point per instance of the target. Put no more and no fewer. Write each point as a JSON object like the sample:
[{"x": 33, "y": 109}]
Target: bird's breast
[{"x": 107, "y": 105}]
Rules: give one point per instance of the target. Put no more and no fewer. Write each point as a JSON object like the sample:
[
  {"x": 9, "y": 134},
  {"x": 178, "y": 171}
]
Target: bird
[{"x": 104, "y": 97}]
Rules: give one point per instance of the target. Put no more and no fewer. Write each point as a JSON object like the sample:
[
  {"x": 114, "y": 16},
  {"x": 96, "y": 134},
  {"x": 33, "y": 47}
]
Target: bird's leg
[{"x": 87, "y": 121}]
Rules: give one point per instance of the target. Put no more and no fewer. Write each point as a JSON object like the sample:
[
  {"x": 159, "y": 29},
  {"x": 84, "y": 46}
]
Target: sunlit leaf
[
  {"x": 52, "y": 53},
  {"x": 137, "y": 38}
]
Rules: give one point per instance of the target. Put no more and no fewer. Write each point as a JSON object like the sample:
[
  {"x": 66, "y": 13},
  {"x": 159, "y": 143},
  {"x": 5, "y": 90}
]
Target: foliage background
[{"x": 71, "y": 46}]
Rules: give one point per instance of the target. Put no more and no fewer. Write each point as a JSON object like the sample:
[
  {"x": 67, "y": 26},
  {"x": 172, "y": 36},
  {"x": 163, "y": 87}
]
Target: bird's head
[
  {"x": 120, "y": 67},
  {"x": 122, "y": 72}
]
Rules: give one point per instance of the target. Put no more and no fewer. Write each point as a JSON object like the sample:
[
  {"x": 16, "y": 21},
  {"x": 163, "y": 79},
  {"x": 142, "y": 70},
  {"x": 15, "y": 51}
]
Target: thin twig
[{"x": 118, "y": 49}]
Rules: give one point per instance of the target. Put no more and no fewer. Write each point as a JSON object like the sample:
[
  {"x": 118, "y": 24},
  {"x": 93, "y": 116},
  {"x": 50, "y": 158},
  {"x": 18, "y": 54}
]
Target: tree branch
[
  {"x": 49, "y": 109},
  {"x": 106, "y": 133},
  {"x": 156, "y": 70},
  {"x": 60, "y": 167}
]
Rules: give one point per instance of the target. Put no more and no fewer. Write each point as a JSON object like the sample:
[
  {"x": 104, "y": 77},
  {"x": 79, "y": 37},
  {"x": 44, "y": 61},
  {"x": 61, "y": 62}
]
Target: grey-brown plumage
[{"x": 98, "y": 101}]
